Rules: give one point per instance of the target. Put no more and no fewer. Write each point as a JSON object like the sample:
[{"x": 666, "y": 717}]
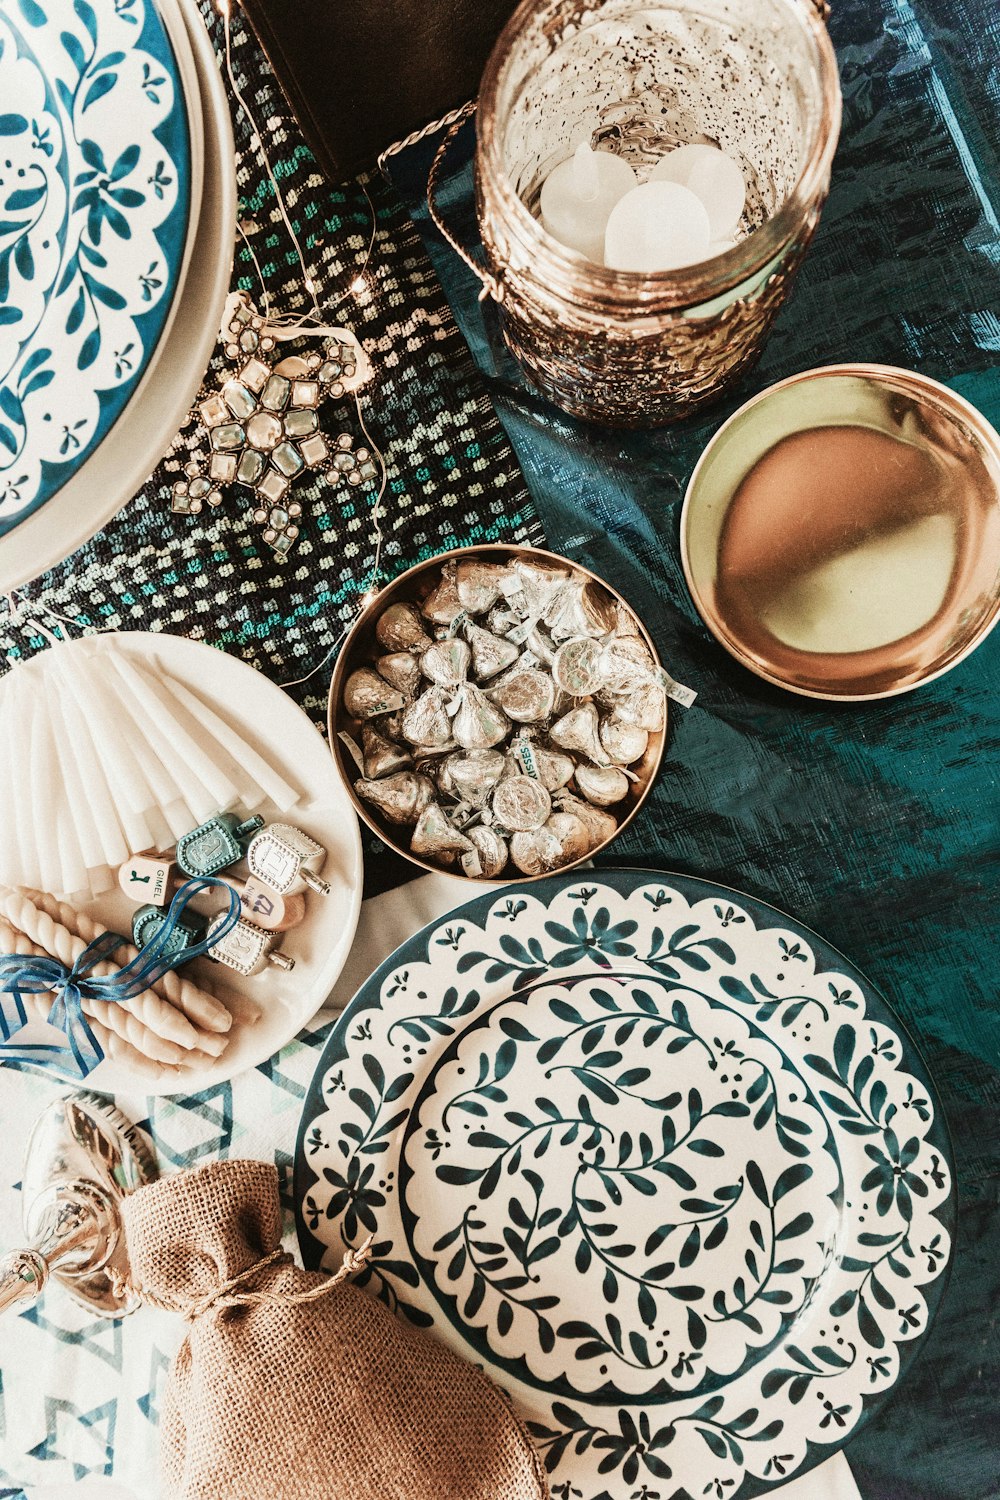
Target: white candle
[
  {"x": 578, "y": 196},
  {"x": 713, "y": 177},
  {"x": 659, "y": 226}
]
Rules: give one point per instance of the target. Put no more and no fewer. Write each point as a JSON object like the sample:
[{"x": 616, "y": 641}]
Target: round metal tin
[
  {"x": 361, "y": 648},
  {"x": 841, "y": 532}
]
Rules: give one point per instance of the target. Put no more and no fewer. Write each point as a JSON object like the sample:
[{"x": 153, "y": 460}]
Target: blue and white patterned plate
[
  {"x": 94, "y": 206},
  {"x": 658, "y": 1158}
]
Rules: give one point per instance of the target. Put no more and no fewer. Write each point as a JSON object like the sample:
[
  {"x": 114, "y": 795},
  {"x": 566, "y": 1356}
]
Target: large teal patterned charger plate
[
  {"x": 658, "y": 1158},
  {"x": 95, "y": 176}
]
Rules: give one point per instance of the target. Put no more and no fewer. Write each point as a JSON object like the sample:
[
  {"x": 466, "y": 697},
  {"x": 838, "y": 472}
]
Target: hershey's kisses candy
[
  {"x": 425, "y": 721},
  {"x": 488, "y": 857},
  {"x": 216, "y": 844},
  {"x": 147, "y": 878},
  {"x": 246, "y": 948},
  {"x": 602, "y": 785},
  {"x": 287, "y": 860},
  {"x": 600, "y": 825},
  {"x": 521, "y": 804},
  {"x": 189, "y": 928},
  {"x": 622, "y": 742},
  {"x": 401, "y": 670},
  {"x": 447, "y": 662},
  {"x": 265, "y": 908},
  {"x": 479, "y": 584},
  {"x": 437, "y": 836},
  {"x": 577, "y": 730},
  {"x": 442, "y": 604},
  {"x": 576, "y": 666},
  {"x": 646, "y": 707},
  {"x": 502, "y": 618},
  {"x": 550, "y": 767},
  {"x": 561, "y": 840},
  {"x": 526, "y": 695},
  {"x": 400, "y": 798},
  {"x": 400, "y": 628},
  {"x": 470, "y": 775},
  {"x": 382, "y": 756},
  {"x": 625, "y": 661},
  {"x": 366, "y": 694},
  {"x": 581, "y": 608},
  {"x": 478, "y": 724},
  {"x": 490, "y": 653}
]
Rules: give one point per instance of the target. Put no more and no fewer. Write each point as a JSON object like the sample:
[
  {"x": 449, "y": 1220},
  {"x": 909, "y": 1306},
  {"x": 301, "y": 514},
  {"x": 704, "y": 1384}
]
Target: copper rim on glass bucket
[
  {"x": 361, "y": 648},
  {"x": 756, "y": 77}
]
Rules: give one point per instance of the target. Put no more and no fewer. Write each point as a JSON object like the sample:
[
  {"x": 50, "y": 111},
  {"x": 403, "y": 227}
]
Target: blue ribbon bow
[{"x": 22, "y": 975}]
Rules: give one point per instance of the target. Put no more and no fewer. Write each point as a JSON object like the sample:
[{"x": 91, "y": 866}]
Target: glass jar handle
[{"x": 491, "y": 286}]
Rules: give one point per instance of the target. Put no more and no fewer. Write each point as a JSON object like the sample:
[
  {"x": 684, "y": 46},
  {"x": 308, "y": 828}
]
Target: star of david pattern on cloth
[{"x": 79, "y": 1395}]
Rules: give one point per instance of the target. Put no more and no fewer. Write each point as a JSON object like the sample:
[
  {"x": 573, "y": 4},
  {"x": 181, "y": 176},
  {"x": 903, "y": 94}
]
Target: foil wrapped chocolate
[
  {"x": 501, "y": 713},
  {"x": 479, "y": 584},
  {"x": 479, "y": 724},
  {"x": 401, "y": 797},
  {"x": 447, "y": 662},
  {"x": 490, "y": 653},
  {"x": 437, "y": 836},
  {"x": 400, "y": 628},
  {"x": 487, "y": 859},
  {"x": 469, "y": 776},
  {"x": 520, "y": 804},
  {"x": 402, "y": 670},
  {"x": 526, "y": 695},
  {"x": 367, "y": 694},
  {"x": 425, "y": 721},
  {"x": 381, "y": 756},
  {"x": 443, "y": 604}
]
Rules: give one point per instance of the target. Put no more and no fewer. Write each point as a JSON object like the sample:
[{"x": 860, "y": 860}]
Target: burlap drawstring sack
[{"x": 292, "y": 1385}]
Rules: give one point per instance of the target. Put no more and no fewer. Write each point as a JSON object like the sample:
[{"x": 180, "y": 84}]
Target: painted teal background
[{"x": 877, "y": 825}]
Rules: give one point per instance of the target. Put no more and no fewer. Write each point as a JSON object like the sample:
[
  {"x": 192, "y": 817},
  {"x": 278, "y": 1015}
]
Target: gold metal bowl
[
  {"x": 841, "y": 532},
  {"x": 361, "y": 649}
]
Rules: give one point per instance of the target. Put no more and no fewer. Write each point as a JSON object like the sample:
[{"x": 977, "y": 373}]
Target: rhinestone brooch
[{"x": 263, "y": 427}]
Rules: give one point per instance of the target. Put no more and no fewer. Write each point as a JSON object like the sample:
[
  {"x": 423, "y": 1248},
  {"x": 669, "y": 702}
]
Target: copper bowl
[
  {"x": 361, "y": 648},
  {"x": 841, "y": 532}
]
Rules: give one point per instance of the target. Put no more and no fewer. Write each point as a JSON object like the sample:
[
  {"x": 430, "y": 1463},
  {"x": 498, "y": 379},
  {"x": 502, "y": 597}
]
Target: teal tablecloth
[{"x": 878, "y": 825}]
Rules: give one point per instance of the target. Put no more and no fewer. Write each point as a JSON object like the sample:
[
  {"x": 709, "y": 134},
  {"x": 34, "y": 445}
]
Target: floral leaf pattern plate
[
  {"x": 94, "y": 205},
  {"x": 658, "y": 1158}
]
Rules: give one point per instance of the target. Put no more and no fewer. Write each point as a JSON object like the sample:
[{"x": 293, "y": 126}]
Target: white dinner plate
[
  {"x": 162, "y": 400},
  {"x": 279, "y": 731}
]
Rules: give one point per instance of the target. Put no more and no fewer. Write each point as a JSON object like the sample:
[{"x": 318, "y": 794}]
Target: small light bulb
[
  {"x": 359, "y": 285},
  {"x": 368, "y": 597},
  {"x": 224, "y": 8}
]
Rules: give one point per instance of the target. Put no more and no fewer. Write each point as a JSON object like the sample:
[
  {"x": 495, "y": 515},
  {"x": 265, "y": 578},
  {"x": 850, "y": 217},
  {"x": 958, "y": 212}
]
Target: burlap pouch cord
[{"x": 227, "y": 1294}]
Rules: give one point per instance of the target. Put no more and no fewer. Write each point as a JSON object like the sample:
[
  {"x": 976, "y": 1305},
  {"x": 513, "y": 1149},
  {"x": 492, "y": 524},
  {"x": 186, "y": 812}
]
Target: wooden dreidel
[
  {"x": 286, "y": 859},
  {"x": 216, "y": 844},
  {"x": 246, "y": 947},
  {"x": 188, "y": 929},
  {"x": 266, "y": 908},
  {"x": 148, "y": 878}
]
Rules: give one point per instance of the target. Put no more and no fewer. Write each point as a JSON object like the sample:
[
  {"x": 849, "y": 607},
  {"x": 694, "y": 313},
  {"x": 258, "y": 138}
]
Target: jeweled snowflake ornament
[{"x": 263, "y": 425}]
